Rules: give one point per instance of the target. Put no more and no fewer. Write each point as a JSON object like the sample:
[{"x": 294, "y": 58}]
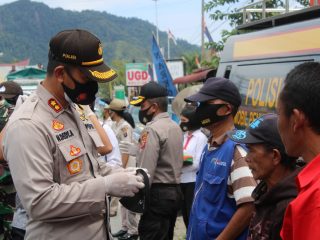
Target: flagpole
[
  {"x": 156, "y": 7},
  {"x": 168, "y": 47},
  {"x": 202, "y": 30}
]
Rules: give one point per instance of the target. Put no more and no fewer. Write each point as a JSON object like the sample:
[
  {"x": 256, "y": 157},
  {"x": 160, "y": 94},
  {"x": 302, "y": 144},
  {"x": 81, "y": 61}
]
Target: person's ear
[
  {"x": 276, "y": 157},
  {"x": 58, "y": 73},
  {"x": 297, "y": 119},
  {"x": 225, "y": 110}
]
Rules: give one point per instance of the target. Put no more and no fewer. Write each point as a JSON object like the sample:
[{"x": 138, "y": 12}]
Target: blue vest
[{"x": 212, "y": 209}]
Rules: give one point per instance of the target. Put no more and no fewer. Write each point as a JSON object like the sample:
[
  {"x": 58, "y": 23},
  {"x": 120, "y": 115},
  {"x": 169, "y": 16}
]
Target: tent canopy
[{"x": 27, "y": 73}]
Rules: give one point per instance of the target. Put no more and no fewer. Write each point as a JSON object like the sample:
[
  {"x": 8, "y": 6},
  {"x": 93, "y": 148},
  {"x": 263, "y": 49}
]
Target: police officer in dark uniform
[{"x": 161, "y": 153}]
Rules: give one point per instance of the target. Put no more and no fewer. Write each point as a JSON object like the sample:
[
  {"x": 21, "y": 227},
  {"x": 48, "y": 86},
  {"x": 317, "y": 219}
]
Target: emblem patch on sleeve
[
  {"x": 54, "y": 105},
  {"x": 74, "y": 166},
  {"x": 143, "y": 140},
  {"x": 57, "y": 125},
  {"x": 74, "y": 151},
  {"x": 125, "y": 131}
]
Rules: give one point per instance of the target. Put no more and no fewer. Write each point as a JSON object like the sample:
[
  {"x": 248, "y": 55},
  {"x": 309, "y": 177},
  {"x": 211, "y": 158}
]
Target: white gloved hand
[
  {"x": 87, "y": 110},
  {"x": 123, "y": 184},
  {"x": 128, "y": 148}
]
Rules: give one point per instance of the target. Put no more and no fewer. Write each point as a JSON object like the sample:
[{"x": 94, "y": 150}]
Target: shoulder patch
[
  {"x": 143, "y": 140},
  {"x": 125, "y": 131},
  {"x": 54, "y": 105}
]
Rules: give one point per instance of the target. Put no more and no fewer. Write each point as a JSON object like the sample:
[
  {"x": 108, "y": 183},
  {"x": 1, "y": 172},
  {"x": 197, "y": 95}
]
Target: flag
[
  {"x": 170, "y": 36},
  {"x": 207, "y": 33},
  {"x": 150, "y": 72},
  {"x": 162, "y": 71}
]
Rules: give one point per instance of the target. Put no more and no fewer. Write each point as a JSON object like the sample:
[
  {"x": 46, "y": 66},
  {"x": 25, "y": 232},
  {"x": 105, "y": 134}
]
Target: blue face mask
[{"x": 84, "y": 94}]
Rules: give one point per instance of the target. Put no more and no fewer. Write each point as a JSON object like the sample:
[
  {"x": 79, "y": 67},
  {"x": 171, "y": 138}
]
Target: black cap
[
  {"x": 10, "y": 89},
  {"x": 217, "y": 88},
  {"x": 262, "y": 130},
  {"x": 84, "y": 50},
  {"x": 148, "y": 91},
  {"x": 139, "y": 203}
]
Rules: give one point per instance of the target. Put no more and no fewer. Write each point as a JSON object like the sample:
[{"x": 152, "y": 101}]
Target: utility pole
[
  {"x": 156, "y": 8},
  {"x": 202, "y": 30}
]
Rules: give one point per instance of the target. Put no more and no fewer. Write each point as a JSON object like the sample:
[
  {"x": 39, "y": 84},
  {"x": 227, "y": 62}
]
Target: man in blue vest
[{"x": 222, "y": 204}]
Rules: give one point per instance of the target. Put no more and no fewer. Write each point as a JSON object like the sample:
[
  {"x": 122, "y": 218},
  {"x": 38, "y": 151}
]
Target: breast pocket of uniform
[
  {"x": 74, "y": 165},
  {"x": 213, "y": 186}
]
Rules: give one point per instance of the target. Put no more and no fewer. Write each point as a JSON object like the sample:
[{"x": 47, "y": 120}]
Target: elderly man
[{"x": 276, "y": 171}]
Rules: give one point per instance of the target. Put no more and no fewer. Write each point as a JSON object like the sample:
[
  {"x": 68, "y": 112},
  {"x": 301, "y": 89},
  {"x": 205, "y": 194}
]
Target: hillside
[{"x": 26, "y": 28}]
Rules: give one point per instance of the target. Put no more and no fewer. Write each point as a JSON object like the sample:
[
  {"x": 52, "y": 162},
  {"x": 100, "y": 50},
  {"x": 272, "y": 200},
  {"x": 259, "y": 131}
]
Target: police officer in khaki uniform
[
  {"x": 53, "y": 154},
  {"x": 123, "y": 129},
  {"x": 161, "y": 153}
]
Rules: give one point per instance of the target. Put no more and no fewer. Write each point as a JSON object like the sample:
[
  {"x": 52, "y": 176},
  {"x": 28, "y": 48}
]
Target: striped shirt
[{"x": 240, "y": 181}]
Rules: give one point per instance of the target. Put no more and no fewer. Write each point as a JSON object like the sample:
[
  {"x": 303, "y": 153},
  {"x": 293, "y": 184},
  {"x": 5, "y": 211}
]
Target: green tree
[
  {"x": 190, "y": 62},
  {"x": 217, "y": 10}
]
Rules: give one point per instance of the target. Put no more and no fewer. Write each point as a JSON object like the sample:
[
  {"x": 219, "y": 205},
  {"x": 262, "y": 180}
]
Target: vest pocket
[{"x": 212, "y": 187}]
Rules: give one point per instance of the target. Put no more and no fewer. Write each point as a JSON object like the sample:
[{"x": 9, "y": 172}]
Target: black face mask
[
  {"x": 144, "y": 118},
  {"x": 193, "y": 123},
  {"x": 84, "y": 94},
  {"x": 207, "y": 114}
]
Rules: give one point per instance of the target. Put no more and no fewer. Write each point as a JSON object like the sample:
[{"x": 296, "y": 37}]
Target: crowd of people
[{"x": 70, "y": 170}]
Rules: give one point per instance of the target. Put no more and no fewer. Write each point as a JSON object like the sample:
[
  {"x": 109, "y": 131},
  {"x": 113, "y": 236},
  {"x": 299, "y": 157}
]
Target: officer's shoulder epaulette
[{"x": 28, "y": 107}]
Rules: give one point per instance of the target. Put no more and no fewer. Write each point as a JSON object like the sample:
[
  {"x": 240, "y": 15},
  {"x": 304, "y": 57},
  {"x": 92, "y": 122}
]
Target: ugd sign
[{"x": 137, "y": 74}]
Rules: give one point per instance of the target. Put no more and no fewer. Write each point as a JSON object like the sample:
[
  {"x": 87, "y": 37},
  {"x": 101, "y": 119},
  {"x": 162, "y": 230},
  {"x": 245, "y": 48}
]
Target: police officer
[
  {"x": 9, "y": 92},
  {"x": 123, "y": 125},
  {"x": 161, "y": 153},
  {"x": 53, "y": 154}
]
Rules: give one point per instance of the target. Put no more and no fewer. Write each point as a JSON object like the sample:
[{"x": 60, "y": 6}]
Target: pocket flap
[{"x": 72, "y": 149}]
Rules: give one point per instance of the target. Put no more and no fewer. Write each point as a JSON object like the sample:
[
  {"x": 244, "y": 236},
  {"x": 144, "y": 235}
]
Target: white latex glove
[
  {"x": 87, "y": 110},
  {"x": 123, "y": 184},
  {"x": 128, "y": 148}
]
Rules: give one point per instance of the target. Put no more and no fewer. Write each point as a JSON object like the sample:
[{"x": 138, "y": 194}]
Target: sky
[{"x": 181, "y": 17}]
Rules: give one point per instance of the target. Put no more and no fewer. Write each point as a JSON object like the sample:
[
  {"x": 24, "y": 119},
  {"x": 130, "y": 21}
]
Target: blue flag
[
  {"x": 162, "y": 71},
  {"x": 207, "y": 33}
]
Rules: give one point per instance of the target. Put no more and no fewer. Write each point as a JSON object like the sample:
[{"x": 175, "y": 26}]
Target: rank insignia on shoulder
[
  {"x": 74, "y": 166},
  {"x": 74, "y": 151},
  {"x": 54, "y": 105},
  {"x": 57, "y": 125},
  {"x": 143, "y": 140}
]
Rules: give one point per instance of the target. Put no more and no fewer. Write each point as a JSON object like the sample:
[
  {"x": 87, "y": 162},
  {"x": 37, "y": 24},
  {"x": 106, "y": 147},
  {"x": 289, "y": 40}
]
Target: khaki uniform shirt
[
  {"x": 54, "y": 163},
  {"x": 123, "y": 130},
  {"x": 161, "y": 150}
]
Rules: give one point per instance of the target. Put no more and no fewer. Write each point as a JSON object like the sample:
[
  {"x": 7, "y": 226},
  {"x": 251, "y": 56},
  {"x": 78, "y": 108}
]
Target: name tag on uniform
[{"x": 64, "y": 135}]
